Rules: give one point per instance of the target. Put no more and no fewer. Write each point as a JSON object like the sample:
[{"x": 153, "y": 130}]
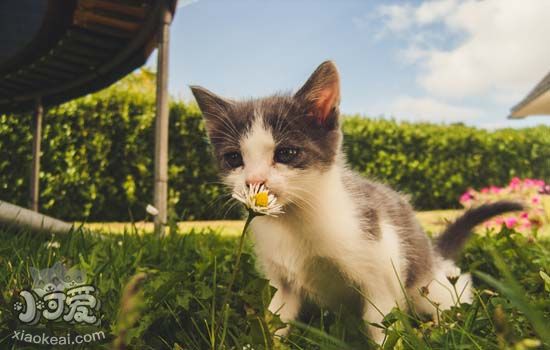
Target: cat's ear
[
  {"x": 82, "y": 275},
  {"x": 58, "y": 268},
  {"x": 211, "y": 105},
  {"x": 321, "y": 93}
]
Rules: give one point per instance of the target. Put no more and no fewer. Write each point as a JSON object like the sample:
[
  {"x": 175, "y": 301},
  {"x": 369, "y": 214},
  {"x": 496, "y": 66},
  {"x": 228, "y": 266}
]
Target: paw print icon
[{"x": 18, "y": 306}]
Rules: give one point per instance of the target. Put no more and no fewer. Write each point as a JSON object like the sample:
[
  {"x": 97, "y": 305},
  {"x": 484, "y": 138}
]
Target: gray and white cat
[
  {"x": 56, "y": 279},
  {"x": 48, "y": 280},
  {"x": 342, "y": 237}
]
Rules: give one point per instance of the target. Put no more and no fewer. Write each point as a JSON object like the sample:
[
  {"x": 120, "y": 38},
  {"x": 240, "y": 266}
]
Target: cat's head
[
  {"x": 48, "y": 280},
  {"x": 74, "y": 277},
  {"x": 283, "y": 141}
]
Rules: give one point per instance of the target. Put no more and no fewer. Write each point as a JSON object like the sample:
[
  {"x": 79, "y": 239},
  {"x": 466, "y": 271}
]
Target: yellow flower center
[{"x": 261, "y": 199}]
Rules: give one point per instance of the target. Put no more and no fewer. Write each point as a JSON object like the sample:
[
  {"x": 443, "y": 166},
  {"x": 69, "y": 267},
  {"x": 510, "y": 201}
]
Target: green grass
[
  {"x": 177, "y": 285},
  {"x": 433, "y": 221}
]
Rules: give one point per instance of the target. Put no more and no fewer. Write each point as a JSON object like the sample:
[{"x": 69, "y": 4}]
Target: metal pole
[
  {"x": 37, "y": 136},
  {"x": 161, "y": 122},
  {"x": 13, "y": 215}
]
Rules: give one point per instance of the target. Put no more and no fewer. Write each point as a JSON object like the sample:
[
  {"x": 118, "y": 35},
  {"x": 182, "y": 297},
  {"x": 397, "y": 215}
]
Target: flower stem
[{"x": 251, "y": 215}]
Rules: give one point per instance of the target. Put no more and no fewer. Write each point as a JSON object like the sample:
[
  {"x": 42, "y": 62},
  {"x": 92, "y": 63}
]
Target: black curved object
[{"x": 59, "y": 50}]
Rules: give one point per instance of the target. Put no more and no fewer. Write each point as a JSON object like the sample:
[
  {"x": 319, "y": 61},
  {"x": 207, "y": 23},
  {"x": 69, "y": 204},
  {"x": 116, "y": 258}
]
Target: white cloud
[
  {"x": 396, "y": 17},
  {"x": 429, "y": 109},
  {"x": 506, "y": 49},
  {"x": 414, "y": 54},
  {"x": 470, "y": 55},
  {"x": 503, "y": 51},
  {"x": 432, "y": 11}
]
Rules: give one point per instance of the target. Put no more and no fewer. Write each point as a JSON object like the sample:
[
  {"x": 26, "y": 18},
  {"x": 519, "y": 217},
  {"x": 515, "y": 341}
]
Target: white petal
[{"x": 151, "y": 210}]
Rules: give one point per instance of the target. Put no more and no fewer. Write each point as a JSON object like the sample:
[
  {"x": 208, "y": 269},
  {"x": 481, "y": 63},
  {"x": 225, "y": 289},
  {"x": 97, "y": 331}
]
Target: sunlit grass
[
  {"x": 432, "y": 221},
  {"x": 183, "y": 279},
  {"x": 224, "y": 227}
]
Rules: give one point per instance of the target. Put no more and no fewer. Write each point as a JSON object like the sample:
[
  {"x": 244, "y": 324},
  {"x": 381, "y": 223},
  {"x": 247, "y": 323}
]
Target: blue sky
[{"x": 439, "y": 60}]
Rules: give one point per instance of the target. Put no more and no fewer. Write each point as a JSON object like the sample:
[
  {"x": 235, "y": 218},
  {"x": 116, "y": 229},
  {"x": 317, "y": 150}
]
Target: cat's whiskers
[
  {"x": 301, "y": 213},
  {"x": 232, "y": 204},
  {"x": 223, "y": 197},
  {"x": 220, "y": 115},
  {"x": 302, "y": 201}
]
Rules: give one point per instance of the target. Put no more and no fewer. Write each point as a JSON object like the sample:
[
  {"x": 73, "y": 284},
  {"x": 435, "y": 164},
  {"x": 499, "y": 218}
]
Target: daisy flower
[
  {"x": 53, "y": 244},
  {"x": 258, "y": 200},
  {"x": 151, "y": 210}
]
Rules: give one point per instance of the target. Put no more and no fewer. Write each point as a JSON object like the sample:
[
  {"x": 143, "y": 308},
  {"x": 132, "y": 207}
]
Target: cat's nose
[{"x": 255, "y": 180}]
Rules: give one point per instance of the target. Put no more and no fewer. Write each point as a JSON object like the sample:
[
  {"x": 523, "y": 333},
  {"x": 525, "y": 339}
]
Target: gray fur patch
[{"x": 376, "y": 202}]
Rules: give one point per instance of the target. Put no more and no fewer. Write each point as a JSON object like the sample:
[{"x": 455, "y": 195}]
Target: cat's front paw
[
  {"x": 377, "y": 335},
  {"x": 283, "y": 332}
]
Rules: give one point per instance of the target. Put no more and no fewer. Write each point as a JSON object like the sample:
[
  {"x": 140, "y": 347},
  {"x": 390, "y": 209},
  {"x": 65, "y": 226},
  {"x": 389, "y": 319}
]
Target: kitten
[
  {"x": 48, "y": 280},
  {"x": 74, "y": 278},
  {"x": 343, "y": 239}
]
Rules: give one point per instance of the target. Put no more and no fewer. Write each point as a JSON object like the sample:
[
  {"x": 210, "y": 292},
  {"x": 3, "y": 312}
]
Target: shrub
[
  {"x": 97, "y": 160},
  {"x": 97, "y": 157},
  {"x": 437, "y": 163}
]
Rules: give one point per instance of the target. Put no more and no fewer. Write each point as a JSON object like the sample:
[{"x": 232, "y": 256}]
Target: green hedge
[
  {"x": 436, "y": 163},
  {"x": 97, "y": 161}
]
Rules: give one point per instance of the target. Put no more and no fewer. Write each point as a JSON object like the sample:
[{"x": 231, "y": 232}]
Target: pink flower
[
  {"x": 466, "y": 197},
  {"x": 515, "y": 183},
  {"x": 533, "y": 183},
  {"x": 510, "y": 222},
  {"x": 544, "y": 189},
  {"x": 527, "y": 190}
]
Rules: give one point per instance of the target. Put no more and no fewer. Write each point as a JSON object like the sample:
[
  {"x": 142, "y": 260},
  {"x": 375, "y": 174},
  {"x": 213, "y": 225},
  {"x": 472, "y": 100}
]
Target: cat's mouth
[{"x": 259, "y": 200}]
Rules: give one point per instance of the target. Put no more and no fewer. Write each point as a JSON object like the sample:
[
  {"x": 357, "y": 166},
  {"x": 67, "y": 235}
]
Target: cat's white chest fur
[{"x": 292, "y": 248}]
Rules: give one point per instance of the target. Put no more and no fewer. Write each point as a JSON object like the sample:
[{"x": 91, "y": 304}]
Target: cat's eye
[
  {"x": 285, "y": 155},
  {"x": 233, "y": 159}
]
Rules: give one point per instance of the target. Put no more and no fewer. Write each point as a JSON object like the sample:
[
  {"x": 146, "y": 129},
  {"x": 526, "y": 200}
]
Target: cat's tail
[{"x": 451, "y": 241}]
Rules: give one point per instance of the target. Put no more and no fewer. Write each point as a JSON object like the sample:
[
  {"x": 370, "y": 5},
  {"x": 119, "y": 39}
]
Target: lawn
[
  {"x": 433, "y": 221},
  {"x": 177, "y": 285}
]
